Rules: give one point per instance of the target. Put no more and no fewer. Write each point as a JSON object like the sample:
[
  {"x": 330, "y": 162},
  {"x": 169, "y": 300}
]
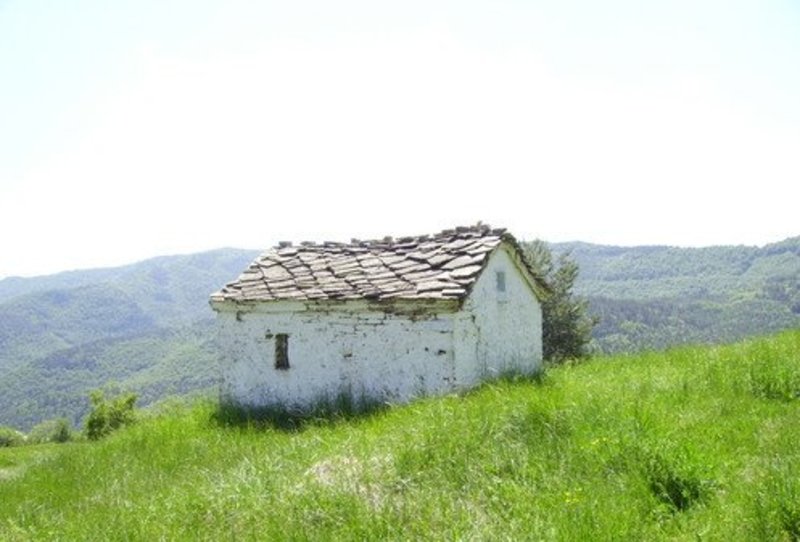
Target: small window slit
[
  {"x": 501, "y": 281},
  {"x": 281, "y": 351}
]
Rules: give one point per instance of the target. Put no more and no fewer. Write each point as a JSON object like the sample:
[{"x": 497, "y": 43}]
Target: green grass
[{"x": 691, "y": 444}]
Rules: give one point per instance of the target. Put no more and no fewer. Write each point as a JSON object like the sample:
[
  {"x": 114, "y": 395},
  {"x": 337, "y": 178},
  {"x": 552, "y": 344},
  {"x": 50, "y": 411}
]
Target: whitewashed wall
[
  {"x": 363, "y": 353},
  {"x": 498, "y": 331},
  {"x": 381, "y": 355}
]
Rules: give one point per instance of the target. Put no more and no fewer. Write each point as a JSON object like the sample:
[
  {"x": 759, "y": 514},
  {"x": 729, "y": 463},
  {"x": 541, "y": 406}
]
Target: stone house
[{"x": 387, "y": 319}]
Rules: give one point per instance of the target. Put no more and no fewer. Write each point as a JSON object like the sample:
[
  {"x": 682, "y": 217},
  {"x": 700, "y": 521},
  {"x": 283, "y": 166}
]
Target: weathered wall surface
[
  {"x": 375, "y": 354},
  {"x": 498, "y": 330},
  {"x": 356, "y": 349}
]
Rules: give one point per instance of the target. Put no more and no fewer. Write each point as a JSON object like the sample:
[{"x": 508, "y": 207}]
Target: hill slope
[
  {"x": 654, "y": 297},
  {"x": 173, "y": 290},
  {"x": 692, "y": 443},
  {"x": 37, "y": 324},
  {"x": 154, "y": 364},
  {"x": 143, "y": 326},
  {"x": 132, "y": 323}
]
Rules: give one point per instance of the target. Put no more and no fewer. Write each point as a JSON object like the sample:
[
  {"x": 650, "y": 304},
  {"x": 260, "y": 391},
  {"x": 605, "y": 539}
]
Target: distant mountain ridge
[
  {"x": 659, "y": 296},
  {"x": 167, "y": 285},
  {"x": 147, "y": 326},
  {"x": 612, "y": 270}
]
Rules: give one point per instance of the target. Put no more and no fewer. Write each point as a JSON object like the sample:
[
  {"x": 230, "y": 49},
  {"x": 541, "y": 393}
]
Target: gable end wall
[{"x": 497, "y": 331}]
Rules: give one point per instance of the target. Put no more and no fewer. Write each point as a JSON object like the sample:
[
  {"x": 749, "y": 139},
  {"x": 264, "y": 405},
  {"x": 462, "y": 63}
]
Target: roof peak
[{"x": 475, "y": 231}]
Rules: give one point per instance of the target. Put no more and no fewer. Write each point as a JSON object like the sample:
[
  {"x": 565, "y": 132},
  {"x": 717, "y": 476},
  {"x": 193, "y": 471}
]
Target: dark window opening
[
  {"x": 281, "y": 351},
  {"x": 501, "y": 281}
]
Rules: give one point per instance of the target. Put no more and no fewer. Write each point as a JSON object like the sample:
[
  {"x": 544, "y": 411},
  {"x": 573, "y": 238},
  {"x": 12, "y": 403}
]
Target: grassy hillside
[
  {"x": 694, "y": 443},
  {"x": 654, "y": 297}
]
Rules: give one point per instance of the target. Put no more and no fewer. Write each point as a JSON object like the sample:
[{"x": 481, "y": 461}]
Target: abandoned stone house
[{"x": 388, "y": 319}]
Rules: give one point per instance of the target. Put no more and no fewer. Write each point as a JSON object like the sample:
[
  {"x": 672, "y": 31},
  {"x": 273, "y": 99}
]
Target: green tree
[
  {"x": 566, "y": 326},
  {"x": 107, "y": 415}
]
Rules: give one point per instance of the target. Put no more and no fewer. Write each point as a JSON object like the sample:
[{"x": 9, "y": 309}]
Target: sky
[{"x": 131, "y": 129}]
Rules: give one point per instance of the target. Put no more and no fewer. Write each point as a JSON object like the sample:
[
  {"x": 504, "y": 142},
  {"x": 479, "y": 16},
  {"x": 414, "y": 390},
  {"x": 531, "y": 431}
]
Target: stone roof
[{"x": 440, "y": 266}]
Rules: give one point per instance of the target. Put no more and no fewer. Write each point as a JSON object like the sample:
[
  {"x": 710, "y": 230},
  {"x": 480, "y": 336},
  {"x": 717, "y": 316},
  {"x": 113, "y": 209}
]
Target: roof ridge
[{"x": 477, "y": 228}]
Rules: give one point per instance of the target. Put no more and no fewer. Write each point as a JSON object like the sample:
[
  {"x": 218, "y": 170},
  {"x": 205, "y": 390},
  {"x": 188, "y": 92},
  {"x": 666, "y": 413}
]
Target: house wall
[
  {"x": 498, "y": 331},
  {"x": 380, "y": 355},
  {"x": 385, "y": 355}
]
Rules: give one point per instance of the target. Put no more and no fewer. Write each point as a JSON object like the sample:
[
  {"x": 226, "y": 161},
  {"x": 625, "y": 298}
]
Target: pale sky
[{"x": 134, "y": 129}]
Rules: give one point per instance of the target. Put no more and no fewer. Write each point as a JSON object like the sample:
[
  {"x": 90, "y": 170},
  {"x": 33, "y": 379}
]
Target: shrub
[
  {"x": 10, "y": 437},
  {"x": 108, "y": 415},
  {"x": 51, "y": 431}
]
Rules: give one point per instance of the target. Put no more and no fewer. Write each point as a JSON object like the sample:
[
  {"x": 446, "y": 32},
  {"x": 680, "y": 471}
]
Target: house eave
[{"x": 398, "y": 306}]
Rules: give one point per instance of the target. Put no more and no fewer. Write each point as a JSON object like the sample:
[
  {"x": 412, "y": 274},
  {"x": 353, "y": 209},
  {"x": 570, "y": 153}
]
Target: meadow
[{"x": 695, "y": 443}]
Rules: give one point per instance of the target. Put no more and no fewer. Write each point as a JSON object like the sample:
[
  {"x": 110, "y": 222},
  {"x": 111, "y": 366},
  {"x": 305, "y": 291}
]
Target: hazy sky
[{"x": 132, "y": 129}]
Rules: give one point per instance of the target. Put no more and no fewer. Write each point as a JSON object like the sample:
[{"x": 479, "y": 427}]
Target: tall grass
[{"x": 694, "y": 443}]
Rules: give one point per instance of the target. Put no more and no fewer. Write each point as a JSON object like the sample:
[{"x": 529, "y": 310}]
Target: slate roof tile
[
  {"x": 466, "y": 271},
  {"x": 440, "y": 266},
  {"x": 437, "y": 259}
]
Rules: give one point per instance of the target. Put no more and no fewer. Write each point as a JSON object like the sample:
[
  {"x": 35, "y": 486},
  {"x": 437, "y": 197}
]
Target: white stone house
[{"x": 388, "y": 319}]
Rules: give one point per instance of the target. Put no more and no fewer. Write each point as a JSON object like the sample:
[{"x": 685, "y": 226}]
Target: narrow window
[
  {"x": 281, "y": 351},
  {"x": 501, "y": 281}
]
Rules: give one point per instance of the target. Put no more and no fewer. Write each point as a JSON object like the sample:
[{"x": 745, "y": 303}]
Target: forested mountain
[
  {"x": 70, "y": 309},
  {"x": 155, "y": 364},
  {"x": 147, "y": 326},
  {"x": 167, "y": 288},
  {"x": 36, "y": 324},
  {"x": 653, "y": 297}
]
